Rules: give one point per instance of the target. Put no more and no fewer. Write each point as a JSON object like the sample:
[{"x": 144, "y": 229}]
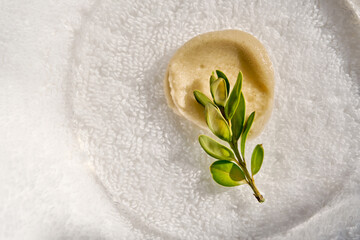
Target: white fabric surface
[{"x": 90, "y": 150}]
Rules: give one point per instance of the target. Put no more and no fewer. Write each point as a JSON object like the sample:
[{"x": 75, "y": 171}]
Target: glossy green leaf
[
  {"x": 215, "y": 149},
  {"x": 237, "y": 121},
  {"x": 257, "y": 159},
  {"x": 227, "y": 173},
  {"x": 247, "y": 127},
  {"x": 234, "y": 98},
  {"x": 201, "y": 98},
  {"x": 220, "y": 74},
  {"x": 212, "y": 78},
  {"x": 217, "y": 123},
  {"x": 219, "y": 92}
]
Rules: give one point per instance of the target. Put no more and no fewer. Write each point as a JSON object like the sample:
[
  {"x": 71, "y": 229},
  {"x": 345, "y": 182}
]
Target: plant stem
[
  {"x": 222, "y": 110},
  {"x": 248, "y": 178}
]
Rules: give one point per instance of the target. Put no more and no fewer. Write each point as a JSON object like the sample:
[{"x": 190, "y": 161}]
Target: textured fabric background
[{"x": 90, "y": 150}]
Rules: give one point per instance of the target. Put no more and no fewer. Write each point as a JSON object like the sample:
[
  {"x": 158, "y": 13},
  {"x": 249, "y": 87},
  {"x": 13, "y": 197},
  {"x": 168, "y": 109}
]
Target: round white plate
[{"x": 148, "y": 159}]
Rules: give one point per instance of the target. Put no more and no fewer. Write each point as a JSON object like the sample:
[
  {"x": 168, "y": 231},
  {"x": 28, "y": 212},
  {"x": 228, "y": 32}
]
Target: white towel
[{"x": 100, "y": 100}]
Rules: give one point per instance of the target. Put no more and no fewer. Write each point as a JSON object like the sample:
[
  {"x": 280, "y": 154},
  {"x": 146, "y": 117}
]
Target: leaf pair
[
  {"x": 220, "y": 89},
  {"x": 225, "y": 172},
  {"x": 228, "y": 174},
  {"x": 235, "y": 105},
  {"x": 238, "y": 127},
  {"x": 214, "y": 119},
  {"x": 234, "y": 98}
]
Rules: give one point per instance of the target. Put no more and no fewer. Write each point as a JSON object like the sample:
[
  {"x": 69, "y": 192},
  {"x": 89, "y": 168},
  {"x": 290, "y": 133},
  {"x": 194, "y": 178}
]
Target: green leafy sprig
[{"x": 225, "y": 117}]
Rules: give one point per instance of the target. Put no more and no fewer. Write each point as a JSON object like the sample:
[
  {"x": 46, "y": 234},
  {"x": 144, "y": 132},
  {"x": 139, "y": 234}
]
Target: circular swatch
[{"x": 230, "y": 51}]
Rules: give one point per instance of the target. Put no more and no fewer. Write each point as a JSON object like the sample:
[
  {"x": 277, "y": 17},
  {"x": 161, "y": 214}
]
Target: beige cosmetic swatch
[{"x": 229, "y": 51}]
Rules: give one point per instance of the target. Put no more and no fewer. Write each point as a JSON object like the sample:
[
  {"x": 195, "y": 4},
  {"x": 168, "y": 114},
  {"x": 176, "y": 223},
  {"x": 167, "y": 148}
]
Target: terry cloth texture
[{"x": 82, "y": 88}]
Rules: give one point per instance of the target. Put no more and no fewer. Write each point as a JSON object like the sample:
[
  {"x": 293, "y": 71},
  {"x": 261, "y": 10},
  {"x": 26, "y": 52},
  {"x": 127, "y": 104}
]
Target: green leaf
[
  {"x": 217, "y": 123},
  {"x": 219, "y": 92},
  {"x": 220, "y": 74},
  {"x": 201, "y": 98},
  {"x": 227, "y": 173},
  {"x": 246, "y": 132},
  {"x": 215, "y": 149},
  {"x": 237, "y": 121},
  {"x": 234, "y": 98},
  {"x": 257, "y": 159},
  {"x": 212, "y": 78}
]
